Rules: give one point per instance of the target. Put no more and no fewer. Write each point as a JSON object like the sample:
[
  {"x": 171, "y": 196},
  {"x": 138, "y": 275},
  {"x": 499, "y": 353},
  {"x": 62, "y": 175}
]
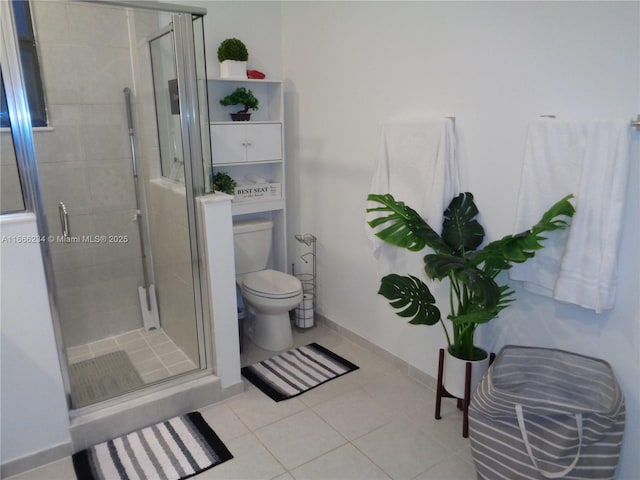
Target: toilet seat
[{"x": 271, "y": 284}]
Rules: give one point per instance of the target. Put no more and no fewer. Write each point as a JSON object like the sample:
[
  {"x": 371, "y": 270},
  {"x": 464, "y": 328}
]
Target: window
[{"x": 30, "y": 68}]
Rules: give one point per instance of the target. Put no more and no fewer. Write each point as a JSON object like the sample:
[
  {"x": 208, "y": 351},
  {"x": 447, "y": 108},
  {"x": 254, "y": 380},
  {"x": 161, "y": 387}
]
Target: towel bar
[{"x": 634, "y": 123}]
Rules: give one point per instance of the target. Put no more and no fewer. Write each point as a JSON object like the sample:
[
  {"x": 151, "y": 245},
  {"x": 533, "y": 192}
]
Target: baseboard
[
  {"x": 35, "y": 460},
  {"x": 413, "y": 372},
  {"x": 232, "y": 390}
]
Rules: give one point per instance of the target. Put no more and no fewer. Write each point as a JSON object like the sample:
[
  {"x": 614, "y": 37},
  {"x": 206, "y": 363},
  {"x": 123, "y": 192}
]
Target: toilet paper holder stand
[{"x": 304, "y": 313}]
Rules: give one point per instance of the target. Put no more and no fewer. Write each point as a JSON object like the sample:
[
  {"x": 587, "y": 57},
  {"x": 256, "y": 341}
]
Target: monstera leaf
[
  {"x": 412, "y": 295},
  {"x": 481, "y": 286},
  {"x": 477, "y": 314},
  {"x": 460, "y": 229},
  {"x": 501, "y": 254},
  {"x": 402, "y": 226}
]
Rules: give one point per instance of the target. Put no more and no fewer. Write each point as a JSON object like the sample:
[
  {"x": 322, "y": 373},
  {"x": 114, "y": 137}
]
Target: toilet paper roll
[{"x": 304, "y": 312}]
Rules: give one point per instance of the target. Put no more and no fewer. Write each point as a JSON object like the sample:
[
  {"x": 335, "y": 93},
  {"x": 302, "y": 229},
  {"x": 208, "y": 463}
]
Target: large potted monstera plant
[{"x": 476, "y": 295}]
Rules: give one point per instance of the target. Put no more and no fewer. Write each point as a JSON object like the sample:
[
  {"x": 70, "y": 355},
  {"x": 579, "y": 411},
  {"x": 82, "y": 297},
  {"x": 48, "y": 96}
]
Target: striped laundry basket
[{"x": 542, "y": 413}]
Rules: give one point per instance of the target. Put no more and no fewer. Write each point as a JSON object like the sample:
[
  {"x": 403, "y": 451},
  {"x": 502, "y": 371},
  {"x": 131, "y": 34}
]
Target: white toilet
[{"x": 269, "y": 294}]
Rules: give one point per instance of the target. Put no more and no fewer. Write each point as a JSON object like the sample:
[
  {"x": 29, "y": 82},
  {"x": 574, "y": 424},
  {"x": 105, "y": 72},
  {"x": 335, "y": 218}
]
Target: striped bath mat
[
  {"x": 178, "y": 448},
  {"x": 297, "y": 370}
]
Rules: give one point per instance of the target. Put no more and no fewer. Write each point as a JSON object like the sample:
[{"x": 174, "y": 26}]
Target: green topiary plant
[
  {"x": 241, "y": 96},
  {"x": 475, "y": 296},
  {"x": 222, "y": 182},
  {"x": 232, "y": 49}
]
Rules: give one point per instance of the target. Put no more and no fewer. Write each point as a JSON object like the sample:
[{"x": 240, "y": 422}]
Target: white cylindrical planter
[
  {"x": 455, "y": 371},
  {"x": 233, "y": 69}
]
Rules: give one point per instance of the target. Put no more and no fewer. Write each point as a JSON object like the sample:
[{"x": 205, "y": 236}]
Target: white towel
[
  {"x": 417, "y": 164},
  {"x": 590, "y": 160}
]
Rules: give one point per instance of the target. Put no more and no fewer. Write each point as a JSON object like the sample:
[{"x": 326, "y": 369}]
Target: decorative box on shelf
[{"x": 257, "y": 191}]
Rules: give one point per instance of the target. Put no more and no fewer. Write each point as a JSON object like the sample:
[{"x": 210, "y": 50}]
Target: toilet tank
[{"x": 252, "y": 245}]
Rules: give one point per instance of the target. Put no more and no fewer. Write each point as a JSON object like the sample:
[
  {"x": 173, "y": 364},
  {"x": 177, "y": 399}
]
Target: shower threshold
[
  {"x": 143, "y": 407},
  {"x": 172, "y": 385}
]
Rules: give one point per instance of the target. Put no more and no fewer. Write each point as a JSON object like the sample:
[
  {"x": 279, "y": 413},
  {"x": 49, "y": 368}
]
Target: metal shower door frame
[{"x": 192, "y": 148}]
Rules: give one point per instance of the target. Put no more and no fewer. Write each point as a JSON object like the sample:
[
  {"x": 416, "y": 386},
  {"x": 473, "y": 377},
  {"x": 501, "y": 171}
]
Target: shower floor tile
[{"x": 154, "y": 355}]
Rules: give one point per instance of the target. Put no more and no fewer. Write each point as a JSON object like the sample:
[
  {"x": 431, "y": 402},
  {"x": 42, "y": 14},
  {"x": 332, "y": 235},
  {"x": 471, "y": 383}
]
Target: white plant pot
[
  {"x": 455, "y": 370},
  {"x": 233, "y": 69}
]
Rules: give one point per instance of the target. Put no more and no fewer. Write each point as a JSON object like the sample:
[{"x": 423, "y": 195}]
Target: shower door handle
[{"x": 64, "y": 220}]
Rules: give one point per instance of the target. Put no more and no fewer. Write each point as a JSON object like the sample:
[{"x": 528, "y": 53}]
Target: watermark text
[{"x": 13, "y": 239}]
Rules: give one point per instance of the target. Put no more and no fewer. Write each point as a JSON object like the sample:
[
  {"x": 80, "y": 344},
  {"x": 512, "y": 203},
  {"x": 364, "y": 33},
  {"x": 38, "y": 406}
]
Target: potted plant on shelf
[
  {"x": 241, "y": 96},
  {"x": 223, "y": 182},
  {"x": 233, "y": 56},
  {"x": 475, "y": 296}
]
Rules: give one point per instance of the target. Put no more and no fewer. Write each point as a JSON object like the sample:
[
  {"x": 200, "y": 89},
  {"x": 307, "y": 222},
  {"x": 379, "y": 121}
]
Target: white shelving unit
[{"x": 252, "y": 148}]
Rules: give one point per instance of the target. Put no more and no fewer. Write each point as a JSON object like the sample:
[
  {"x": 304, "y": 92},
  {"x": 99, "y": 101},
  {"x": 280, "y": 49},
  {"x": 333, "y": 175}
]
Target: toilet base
[{"x": 272, "y": 331}]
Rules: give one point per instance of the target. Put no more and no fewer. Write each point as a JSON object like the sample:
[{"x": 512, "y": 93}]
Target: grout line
[{"x": 146, "y": 347}]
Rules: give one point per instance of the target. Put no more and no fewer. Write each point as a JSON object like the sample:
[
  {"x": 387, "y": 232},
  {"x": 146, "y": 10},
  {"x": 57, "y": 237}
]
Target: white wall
[
  {"x": 34, "y": 411},
  {"x": 350, "y": 66}
]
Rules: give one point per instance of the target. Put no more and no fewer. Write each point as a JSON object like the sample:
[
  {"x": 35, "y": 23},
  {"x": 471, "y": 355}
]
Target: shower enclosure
[{"x": 116, "y": 191}]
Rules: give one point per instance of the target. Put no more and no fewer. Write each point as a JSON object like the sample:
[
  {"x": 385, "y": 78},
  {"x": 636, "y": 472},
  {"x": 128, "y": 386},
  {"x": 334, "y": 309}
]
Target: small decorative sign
[{"x": 256, "y": 191}]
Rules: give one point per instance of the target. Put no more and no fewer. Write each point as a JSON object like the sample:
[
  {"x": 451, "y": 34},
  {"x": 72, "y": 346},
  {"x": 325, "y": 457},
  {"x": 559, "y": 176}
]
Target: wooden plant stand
[{"x": 462, "y": 403}]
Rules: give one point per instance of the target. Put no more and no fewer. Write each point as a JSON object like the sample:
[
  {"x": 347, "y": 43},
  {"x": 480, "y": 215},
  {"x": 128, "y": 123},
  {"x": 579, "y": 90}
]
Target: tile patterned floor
[
  {"x": 153, "y": 353},
  {"x": 374, "y": 423}
]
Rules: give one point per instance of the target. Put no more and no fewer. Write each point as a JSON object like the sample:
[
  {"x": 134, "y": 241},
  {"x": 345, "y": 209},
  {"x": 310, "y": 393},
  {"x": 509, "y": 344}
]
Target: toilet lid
[{"x": 272, "y": 283}]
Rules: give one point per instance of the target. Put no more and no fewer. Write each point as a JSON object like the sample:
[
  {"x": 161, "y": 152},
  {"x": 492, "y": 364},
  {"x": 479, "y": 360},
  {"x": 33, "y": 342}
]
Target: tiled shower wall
[
  {"x": 172, "y": 264},
  {"x": 85, "y": 161}
]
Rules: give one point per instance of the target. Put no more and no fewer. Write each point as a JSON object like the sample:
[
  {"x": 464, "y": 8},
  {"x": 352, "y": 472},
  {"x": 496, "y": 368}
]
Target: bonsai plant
[
  {"x": 241, "y": 96},
  {"x": 223, "y": 182},
  {"x": 475, "y": 297},
  {"x": 233, "y": 56}
]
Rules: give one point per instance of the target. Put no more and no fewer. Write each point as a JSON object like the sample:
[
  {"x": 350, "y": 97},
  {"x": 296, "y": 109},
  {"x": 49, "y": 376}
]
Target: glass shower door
[
  {"x": 103, "y": 238},
  {"x": 168, "y": 204}
]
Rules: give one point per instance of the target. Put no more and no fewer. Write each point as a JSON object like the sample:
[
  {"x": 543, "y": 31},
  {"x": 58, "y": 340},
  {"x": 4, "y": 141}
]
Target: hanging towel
[
  {"x": 590, "y": 160},
  {"x": 417, "y": 164}
]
